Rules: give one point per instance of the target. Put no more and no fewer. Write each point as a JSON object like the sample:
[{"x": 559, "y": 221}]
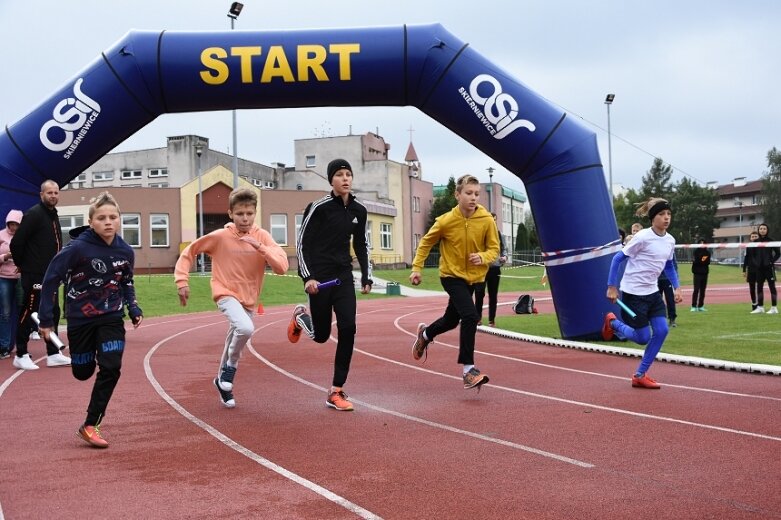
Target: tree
[
  {"x": 694, "y": 212},
  {"x": 531, "y": 228},
  {"x": 770, "y": 196},
  {"x": 443, "y": 202},
  {"x": 624, "y": 207},
  {"x": 522, "y": 242},
  {"x": 656, "y": 181}
]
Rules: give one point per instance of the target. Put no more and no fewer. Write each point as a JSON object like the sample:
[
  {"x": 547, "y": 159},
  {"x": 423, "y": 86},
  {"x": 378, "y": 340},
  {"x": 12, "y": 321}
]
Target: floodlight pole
[
  {"x": 609, "y": 101},
  {"x": 233, "y": 13}
]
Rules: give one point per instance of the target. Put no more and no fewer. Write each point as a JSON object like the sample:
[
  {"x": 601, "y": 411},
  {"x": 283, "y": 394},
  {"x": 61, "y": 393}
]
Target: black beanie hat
[{"x": 335, "y": 165}]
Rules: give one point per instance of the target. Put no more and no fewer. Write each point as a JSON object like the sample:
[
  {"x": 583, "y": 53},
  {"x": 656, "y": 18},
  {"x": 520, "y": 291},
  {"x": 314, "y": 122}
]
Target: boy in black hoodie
[{"x": 97, "y": 268}]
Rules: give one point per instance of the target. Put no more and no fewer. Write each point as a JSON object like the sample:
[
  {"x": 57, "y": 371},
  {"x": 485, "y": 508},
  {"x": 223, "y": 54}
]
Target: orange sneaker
[
  {"x": 420, "y": 346},
  {"x": 338, "y": 400},
  {"x": 293, "y": 330},
  {"x": 91, "y": 435},
  {"x": 607, "y": 330},
  {"x": 645, "y": 382}
]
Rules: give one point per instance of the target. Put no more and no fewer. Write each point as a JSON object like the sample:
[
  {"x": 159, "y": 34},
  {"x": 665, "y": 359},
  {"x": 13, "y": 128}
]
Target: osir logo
[
  {"x": 68, "y": 116},
  {"x": 499, "y": 110}
]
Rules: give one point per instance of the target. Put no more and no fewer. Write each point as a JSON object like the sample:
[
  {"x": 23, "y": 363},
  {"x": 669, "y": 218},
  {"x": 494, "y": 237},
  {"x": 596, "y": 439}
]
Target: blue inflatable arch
[{"x": 146, "y": 74}]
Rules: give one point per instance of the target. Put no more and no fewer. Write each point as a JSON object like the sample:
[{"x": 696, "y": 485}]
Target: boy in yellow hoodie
[
  {"x": 240, "y": 252},
  {"x": 468, "y": 244}
]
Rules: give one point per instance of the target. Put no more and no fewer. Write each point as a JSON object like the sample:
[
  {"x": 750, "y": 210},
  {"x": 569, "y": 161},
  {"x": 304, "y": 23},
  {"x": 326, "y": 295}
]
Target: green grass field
[{"x": 726, "y": 331}]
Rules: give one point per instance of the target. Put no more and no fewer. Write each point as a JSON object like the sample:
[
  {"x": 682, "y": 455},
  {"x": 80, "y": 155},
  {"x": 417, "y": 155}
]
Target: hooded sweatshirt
[
  {"x": 98, "y": 280},
  {"x": 8, "y": 267},
  {"x": 237, "y": 267},
  {"x": 458, "y": 237}
]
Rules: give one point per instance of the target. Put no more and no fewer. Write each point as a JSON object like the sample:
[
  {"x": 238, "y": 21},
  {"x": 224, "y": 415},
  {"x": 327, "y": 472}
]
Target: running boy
[
  {"x": 324, "y": 255},
  {"x": 97, "y": 269},
  {"x": 650, "y": 252},
  {"x": 240, "y": 252},
  {"x": 468, "y": 244}
]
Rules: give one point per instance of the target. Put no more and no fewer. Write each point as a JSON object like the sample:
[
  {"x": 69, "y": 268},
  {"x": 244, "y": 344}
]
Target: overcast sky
[{"x": 697, "y": 83}]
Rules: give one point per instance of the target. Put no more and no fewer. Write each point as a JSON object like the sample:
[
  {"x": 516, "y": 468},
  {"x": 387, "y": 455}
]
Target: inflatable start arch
[{"x": 146, "y": 74}]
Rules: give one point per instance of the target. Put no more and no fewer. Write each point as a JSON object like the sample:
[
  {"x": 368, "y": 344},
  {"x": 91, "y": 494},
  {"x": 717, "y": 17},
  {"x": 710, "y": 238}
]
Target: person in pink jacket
[
  {"x": 240, "y": 252},
  {"x": 9, "y": 276}
]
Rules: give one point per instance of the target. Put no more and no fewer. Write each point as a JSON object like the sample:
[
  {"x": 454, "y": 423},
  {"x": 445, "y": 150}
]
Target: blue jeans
[{"x": 8, "y": 311}]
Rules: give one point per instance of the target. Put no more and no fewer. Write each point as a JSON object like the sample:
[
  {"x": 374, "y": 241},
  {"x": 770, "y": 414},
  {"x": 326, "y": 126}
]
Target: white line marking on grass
[{"x": 227, "y": 441}]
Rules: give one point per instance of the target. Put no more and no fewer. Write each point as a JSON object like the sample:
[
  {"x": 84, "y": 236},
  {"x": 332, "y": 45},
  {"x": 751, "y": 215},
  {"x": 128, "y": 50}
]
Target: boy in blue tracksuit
[{"x": 97, "y": 269}]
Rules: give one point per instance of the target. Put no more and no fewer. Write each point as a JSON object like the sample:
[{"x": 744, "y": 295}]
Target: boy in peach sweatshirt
[{"x": 240, "y": 252}]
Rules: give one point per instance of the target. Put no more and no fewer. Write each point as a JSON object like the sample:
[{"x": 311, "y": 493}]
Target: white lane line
[
  {"x": 227, "y": 441},
  {"x": 573, "y": 402},
  {"x": 432, "y": 424}
]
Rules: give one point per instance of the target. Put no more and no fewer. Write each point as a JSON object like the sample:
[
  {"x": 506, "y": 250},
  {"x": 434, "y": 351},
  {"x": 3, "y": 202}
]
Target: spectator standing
[
  {"x": 750, "y": 264},
  {"x": 766, "y": 271},
  {"x": 700, "y": 263},
  {"x": 37, "y": 240},
  {"x": 9, "y": 279},
  {"x": 492, "y": 279}
]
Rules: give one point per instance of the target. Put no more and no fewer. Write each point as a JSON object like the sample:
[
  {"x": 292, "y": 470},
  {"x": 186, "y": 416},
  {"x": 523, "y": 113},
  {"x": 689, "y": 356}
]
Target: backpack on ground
[{"x": 524, "y": 305}]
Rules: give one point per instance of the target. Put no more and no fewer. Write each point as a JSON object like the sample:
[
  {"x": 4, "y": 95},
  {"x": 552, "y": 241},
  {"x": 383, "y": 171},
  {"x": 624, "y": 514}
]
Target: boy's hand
[
  {"x": 475, "y": 259},
  {"x": 311, "y": 287},
  {"x": 44, "y": 333},
  {"x": 415, "y": 278},
  {"x": 137, "y": 321},
  {"x": 251, "y": 241},
  {"x": 366, "y": 289},
  {"x": 184, "y": 293},
  {"x": 678, "y": 295}
]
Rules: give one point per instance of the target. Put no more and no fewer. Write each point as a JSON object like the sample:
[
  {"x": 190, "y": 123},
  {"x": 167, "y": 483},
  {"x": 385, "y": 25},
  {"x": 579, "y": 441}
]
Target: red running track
[{"x": 557, "y": 433}]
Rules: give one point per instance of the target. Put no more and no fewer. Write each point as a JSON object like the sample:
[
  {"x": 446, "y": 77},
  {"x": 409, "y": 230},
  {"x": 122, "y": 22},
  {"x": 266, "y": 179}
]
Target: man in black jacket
[{"x": 35, "y": 243}]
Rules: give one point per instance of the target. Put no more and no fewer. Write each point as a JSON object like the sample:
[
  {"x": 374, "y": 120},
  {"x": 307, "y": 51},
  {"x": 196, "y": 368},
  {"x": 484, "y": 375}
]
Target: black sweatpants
[
  {"x": 339, "y": 300},
  {"x": 700, "y": 281},
  {"x": 31, "y": 289},
  {"x": 460, "y": 308},
  {"x": 101, "y": 343}
]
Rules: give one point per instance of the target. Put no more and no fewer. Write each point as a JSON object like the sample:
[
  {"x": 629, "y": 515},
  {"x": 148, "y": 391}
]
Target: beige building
[{"x": 160, "y": 190}]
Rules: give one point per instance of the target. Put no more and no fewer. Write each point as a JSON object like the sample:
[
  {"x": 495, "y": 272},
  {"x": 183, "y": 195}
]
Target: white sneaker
[
  {"x": 25, "y": 363},
  {"x": 35, "y": 336},
  {"x": 758, "y": 310},
  {"x": 773, "y": 310},
  {"x": 57, "y": 360}
]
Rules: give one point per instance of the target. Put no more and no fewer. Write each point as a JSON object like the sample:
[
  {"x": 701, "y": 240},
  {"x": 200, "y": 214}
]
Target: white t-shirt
[{"x": 648, "y": 253}]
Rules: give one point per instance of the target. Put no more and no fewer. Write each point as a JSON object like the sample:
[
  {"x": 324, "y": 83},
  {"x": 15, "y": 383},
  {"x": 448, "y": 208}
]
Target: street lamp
[
  {"x": 491, "y": 187},
  {"x": 609, "y": 101},
  {"x": 233, "y": 13},
  {"x": 198, "y": 152}
]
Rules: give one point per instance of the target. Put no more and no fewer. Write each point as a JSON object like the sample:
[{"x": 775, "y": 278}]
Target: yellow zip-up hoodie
[{"x": 458, "y": 237}]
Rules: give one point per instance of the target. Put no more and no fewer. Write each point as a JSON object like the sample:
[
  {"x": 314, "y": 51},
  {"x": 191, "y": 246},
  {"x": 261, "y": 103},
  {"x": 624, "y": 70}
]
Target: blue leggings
[{"x": 642, "y": 336}]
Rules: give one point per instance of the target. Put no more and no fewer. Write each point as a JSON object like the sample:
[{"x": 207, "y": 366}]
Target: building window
[
  {"x": 131, "y": 229},
  {"x": 278, "y": 228},
  {"x": 131, "y": 174},
  {"x": 158, "y": 226},
  {"x": 68, "y": 222},
  {"x": 310, "y": 161},
  {"x": 80, "y": 181},
  {"x": 416, "y": 204},
  {"x": 158, "y": 184},
  {"x": 299, "y": 221},
  {"x": 369, "y": 234},
  {"x": 386, "y": 239},
  {"x": 158, "y": 172},
  {"x": 103, "y": 176}
]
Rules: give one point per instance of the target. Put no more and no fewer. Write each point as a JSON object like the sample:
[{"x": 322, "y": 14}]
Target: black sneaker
[
  {"x": 474, "y": 378},
  {"x": 304, "y": 321},
  {"x": 420, "y": 347},
  {"x": 225, "y": 382},
  {"x": 226, "y": 398},
  {"x": 5, "y": 354}
]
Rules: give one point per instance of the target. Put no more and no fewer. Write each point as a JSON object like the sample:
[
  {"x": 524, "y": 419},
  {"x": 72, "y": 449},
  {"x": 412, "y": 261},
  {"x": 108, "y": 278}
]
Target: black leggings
[
  {"x": 700, "y": 284},
  {"x": 31, "y": 288},
  {"x": 339, "y": 300},
  {"x": 766, "y": 273}
]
